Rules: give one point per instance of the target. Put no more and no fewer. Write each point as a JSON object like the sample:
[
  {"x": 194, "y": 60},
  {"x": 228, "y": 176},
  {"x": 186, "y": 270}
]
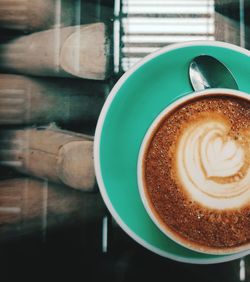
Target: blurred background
[{"x": 59, "y": 59}]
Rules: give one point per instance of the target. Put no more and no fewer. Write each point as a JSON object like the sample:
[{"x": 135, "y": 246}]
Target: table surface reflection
[{"x": 84, "y": 242}]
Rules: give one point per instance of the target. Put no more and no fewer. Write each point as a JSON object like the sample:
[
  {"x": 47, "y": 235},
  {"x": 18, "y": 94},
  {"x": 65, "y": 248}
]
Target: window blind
[{"x": 147, "y": 25}]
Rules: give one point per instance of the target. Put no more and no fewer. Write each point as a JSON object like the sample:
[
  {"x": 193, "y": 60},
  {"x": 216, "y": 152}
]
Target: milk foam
[{"x": 212, "y": 166}]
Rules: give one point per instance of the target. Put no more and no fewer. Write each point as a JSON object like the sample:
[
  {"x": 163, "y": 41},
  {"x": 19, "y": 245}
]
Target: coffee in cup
[{"x": 194, "y": 171}]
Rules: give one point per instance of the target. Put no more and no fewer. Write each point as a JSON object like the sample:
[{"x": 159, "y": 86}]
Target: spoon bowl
[{"x": 207, "y": 72}]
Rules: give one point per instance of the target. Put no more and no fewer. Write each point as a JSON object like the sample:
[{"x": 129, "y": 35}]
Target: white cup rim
[{"x": 152, "y": 127}]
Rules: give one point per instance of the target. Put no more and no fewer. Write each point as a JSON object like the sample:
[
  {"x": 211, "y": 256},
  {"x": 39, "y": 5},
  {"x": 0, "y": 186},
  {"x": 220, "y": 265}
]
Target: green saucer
[{"x": 138, "y": 97}]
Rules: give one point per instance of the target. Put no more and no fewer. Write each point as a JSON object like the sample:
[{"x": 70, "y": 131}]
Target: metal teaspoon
[{"x": 207, "y": 72}]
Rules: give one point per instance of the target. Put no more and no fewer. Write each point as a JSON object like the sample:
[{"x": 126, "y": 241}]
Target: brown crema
[{"x": 181, "y": 215}]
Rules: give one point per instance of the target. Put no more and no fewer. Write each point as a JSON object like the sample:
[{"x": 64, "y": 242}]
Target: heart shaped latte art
[{"x": 213, "y": 167}]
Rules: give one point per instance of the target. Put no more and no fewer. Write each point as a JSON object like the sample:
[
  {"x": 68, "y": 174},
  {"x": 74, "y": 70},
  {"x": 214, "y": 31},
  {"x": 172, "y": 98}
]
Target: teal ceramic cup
[
  {"x": 136, "y": 100},
  {"x": 199, "y": 143}
]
